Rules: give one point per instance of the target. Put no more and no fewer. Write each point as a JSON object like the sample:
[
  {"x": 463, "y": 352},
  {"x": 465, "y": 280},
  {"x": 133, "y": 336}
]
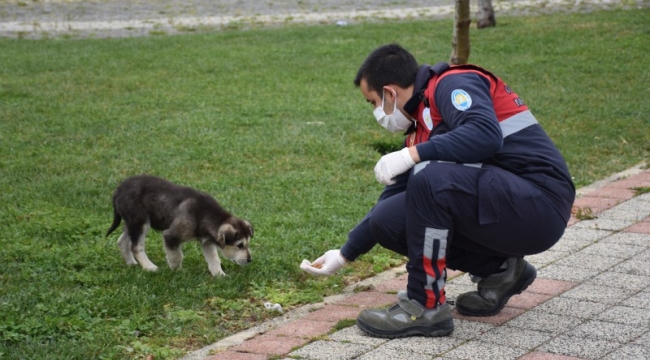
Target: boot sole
[
  {"x": 530, "y": 274},
  {"x": 439, "y": 330}
]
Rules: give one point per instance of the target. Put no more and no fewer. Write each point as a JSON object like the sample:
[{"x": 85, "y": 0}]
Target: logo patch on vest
[
  {"x": 461, "y": 99},
  {"x": 426, "y": 116}
]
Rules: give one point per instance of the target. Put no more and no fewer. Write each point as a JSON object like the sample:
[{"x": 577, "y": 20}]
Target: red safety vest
[{"x": 506, "y": 102}]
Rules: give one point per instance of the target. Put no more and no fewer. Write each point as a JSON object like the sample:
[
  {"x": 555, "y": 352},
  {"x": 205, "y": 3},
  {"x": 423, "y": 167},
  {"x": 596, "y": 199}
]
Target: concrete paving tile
[
  {"x": 330, "y": 350},
  {"x": 626, "y": 315},
  {"x": 600, "y": 330},
  {"x": 452, "y": 274},
  {"x": 639, "y": 301},
  {"x": 589, "y": 235},
  {"x": 600, "y": 294},
  {"x": 583, "y": 348},
  {"x": 642, "y": 227},
  {"x": 612, "y": 249},
  {"x": 463, "y": 280},
  {"x": 645, "y": 174},
  {"x": 642, "y": 255},
  {"x": 629, "y": 352},
  {"x": 536, "y": 355},
  {"x": 573, "y": 307},
  {"x": 528, "y": 300},
  {"x": 618, "y": 213},
  {"x": 635, "y": 204},
  {"x": 625, "y": 238},
  {"x": 422, "y": 345},
  {"x": 354, "y": 335},
  {"x": 369, "y": 299},
  {"x": 467, "y": 330},
  {"x": 589, "y": 261},
  {"x": 633, "y": 182},
  {"x": 459, "y": 286},
  {"x": 566, "y": 273},
  {"x": 618, "y": 280},
  {"x": 604, "y": 224},
  {"x": 642, "y": 197},
  {"x": 613, "y": 192},
  {"x": 269, "y": 345},
  {"x": 391, "y": 286},
  {"x": 595, "y": 204},
  {"x": 472, "y": 350},
  {"x": 550, "y": 286},
  {"x": 334, "y": 313},
  {"x": 392, "y": 354},
  {"x": 303, "y": 328},
  {"x": 516, "y": 337},
  {"x": 507, "y": 314},
  {"x": 569, "y": 246},
  {"x": 634, "y": 267},
  {"x": 542, "y": 321},
  {"x": 643, "y": 340},
  {"x": 547, "y": 257},
  {"x": 234, "y": 355}
]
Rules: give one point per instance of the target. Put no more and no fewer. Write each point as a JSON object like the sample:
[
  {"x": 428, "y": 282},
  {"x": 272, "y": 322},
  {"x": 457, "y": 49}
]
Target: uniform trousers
[{"x": 463, "y": 217}]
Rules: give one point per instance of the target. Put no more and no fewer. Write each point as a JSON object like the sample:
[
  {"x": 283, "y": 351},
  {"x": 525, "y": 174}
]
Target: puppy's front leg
[{"x": 212, "y": 258}]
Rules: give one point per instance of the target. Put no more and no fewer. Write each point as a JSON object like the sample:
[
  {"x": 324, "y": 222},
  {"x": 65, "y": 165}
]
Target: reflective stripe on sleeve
[{"x": 517, "y": 122}]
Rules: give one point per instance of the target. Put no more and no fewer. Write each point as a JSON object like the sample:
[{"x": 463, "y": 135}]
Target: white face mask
[{"x": 395, "y": 122}]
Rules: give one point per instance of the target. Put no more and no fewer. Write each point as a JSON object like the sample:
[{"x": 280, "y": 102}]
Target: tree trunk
[
  {"x": 485, "y": 15},
  {"x": 460, "y": 40}
]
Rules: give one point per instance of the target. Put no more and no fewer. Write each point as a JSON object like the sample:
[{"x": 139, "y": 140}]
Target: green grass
[{"x": 267, "y": 121}]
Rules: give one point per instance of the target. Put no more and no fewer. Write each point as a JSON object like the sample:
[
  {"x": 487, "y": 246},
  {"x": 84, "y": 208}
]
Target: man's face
[
  {"x": 374, "y": 98},
  {"x": 391, "y": 94}
]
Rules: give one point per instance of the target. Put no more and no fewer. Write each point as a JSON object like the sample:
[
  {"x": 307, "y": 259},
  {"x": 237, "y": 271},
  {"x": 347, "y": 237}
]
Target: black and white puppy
[{"x": 182, "y": 214}]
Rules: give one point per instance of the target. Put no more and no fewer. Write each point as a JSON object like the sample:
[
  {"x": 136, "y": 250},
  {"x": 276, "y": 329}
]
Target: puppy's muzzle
[{"x": 243, "y": 262}]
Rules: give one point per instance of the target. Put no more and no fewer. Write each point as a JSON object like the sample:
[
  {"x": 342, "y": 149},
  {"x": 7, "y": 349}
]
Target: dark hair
[{"x": 388, "y": 64}]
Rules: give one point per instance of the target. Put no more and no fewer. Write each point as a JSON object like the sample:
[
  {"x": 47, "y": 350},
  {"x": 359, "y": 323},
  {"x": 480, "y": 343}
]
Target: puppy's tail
[{"x": 117, "y": 219}]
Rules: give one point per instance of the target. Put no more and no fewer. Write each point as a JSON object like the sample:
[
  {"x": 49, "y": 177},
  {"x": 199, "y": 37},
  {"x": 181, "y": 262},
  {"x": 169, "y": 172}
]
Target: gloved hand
[
  {"x": 393, "y": 164},
  {"x": 325, "y": 265}
]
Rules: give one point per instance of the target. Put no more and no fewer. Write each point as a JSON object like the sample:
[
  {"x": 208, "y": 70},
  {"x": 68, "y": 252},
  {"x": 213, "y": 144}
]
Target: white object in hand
[{"x": 325, "y": 265}]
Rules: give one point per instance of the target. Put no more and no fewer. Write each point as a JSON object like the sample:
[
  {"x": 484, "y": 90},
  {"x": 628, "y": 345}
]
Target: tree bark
[
  {"x": 460, "y": 39},
  {"x": 485, "y": 15}
]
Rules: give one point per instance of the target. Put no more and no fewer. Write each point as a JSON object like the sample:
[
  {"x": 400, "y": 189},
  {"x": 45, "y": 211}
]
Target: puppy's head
[{"x": 233, "y": 238}]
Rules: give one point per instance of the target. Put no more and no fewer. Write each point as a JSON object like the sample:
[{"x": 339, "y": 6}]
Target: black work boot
[
  {"x": 406, "y": 318},
  {"x": 495, "y": 290}
]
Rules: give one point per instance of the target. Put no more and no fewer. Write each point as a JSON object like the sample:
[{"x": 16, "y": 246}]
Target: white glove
[
  {"x": 325, "y": 265},
  {"x": 393, "y": 164}
]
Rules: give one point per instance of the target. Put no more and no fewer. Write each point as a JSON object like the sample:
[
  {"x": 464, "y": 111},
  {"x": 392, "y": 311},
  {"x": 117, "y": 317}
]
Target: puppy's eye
[{"x": 241, "y": 246}]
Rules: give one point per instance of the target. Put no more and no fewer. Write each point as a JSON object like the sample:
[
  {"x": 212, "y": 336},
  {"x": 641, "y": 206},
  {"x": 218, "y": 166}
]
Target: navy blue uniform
[{"x": 490, "y": 185}]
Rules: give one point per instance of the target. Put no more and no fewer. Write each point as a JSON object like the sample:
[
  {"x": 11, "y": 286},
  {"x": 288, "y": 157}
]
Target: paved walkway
[
  {"x": 129, "y": 18},
  {"x": 591, "y": 300}
]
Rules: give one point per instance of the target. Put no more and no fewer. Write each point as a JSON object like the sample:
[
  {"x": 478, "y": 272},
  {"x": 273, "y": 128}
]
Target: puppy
[{"x": 182, "y": 214}]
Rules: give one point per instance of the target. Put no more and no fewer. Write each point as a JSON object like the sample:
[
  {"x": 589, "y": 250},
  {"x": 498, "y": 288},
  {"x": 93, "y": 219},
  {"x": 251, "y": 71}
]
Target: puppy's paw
[
  {"x": 152, "y": 268},
  {"x": 175, "y": 266},
  {"x": 218, "y": 273}
]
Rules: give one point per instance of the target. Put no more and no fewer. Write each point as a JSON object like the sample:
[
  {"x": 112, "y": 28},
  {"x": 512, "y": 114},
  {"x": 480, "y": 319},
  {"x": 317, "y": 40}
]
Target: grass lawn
[{"x": 269, "y": 122}]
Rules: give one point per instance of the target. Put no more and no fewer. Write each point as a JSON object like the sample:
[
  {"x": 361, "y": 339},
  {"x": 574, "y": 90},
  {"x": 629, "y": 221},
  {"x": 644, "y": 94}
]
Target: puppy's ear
[
  {"x": 226, "y": 235},
  {"x": 249, "y": 226}
]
